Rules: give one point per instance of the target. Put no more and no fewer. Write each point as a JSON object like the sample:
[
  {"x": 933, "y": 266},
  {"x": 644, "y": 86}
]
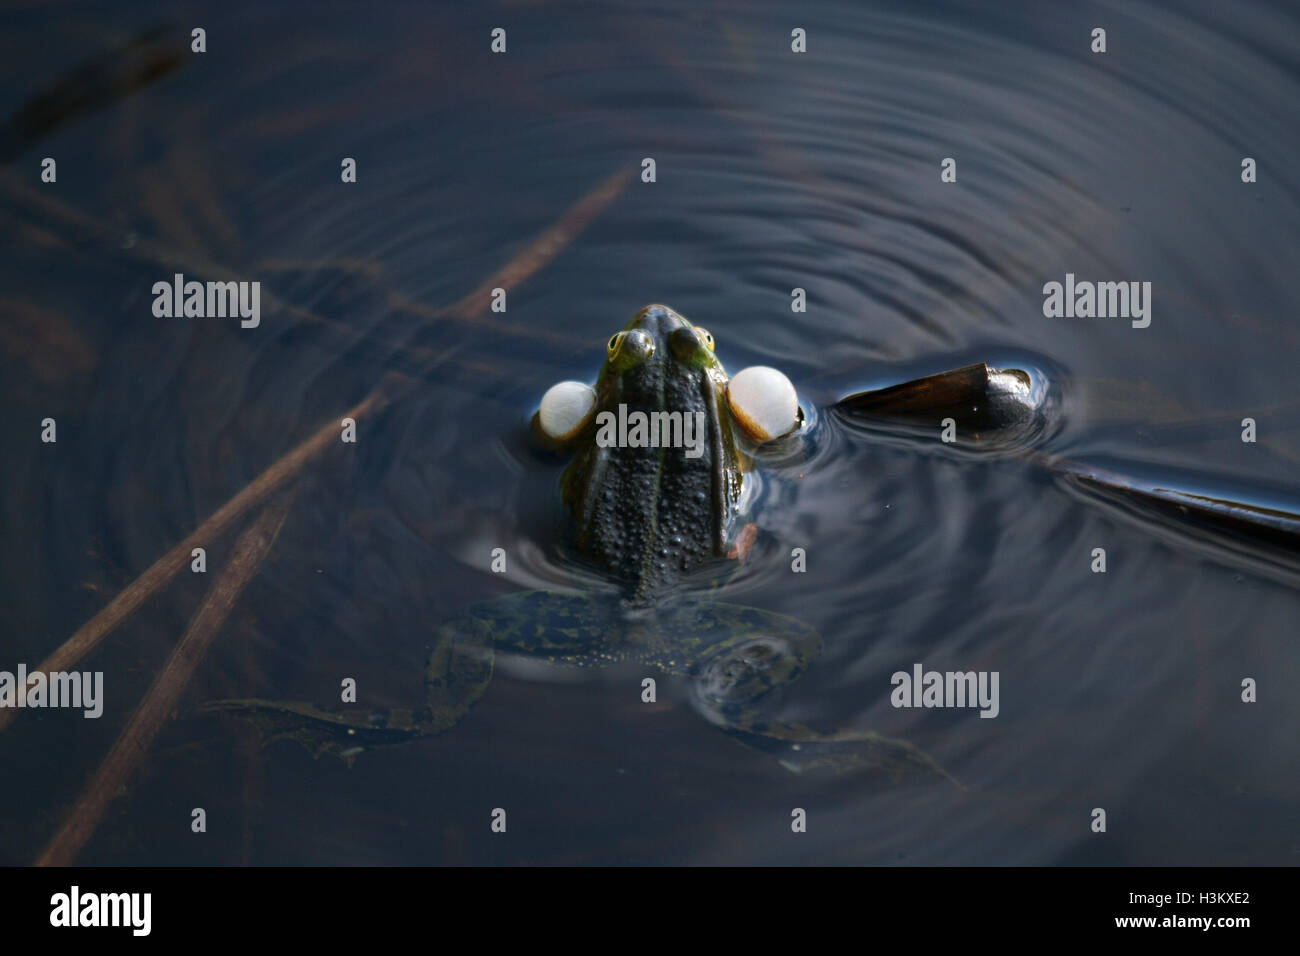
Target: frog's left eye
[
  {"x": 706, "y": 336},
  {"x": 614, "y": 341}
]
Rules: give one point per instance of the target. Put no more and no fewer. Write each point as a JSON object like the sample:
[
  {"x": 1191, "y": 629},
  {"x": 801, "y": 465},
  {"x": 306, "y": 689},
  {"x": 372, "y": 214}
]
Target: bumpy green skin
[{"x": 646, "y": 517}]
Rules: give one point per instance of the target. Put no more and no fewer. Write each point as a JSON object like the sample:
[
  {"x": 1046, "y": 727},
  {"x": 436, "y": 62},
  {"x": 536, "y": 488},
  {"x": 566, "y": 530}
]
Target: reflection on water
[{"x": 774, "y": 171}]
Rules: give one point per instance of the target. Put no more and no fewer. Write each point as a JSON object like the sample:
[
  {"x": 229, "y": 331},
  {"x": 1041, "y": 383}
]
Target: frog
[{"x": 652, "y": 518}]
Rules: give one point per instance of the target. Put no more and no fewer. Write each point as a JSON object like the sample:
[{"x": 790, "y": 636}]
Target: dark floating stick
[
  {"x": 1226, "y": 520},
  {"x": 1006, "y": 408}
]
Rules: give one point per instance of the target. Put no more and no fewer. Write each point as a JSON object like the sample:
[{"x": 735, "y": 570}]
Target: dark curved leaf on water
[
  {"x": 1242, "y": 526},
  {"x": 977, "y": 397},
  {"x": 1011, "y": 406},
  {"x": 136, "y": 63}
]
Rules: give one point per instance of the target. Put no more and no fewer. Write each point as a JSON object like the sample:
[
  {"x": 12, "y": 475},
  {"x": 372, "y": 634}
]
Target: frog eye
[
  {"x": 630, "y": 347},
  {"x": 763, "y": 402},
  {"x": 689, "y": 343}
]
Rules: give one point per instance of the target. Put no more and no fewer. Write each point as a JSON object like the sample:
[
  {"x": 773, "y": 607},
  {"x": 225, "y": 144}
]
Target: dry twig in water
[
  {"x": 138, "y": 736},
  {"x": 88, "y": 636}
]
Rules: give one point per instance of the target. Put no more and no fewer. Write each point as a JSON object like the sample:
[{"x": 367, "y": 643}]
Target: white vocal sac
[
  {"x": 764, "y": 402},
  {"x": 565, "y": 410}
]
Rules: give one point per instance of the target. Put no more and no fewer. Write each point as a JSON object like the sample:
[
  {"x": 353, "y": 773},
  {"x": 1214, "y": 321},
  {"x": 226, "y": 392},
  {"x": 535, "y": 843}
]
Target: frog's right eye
[{"x": 630, "y": 347}]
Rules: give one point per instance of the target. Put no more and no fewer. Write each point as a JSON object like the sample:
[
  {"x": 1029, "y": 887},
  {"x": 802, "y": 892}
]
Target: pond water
[{"x": 774, "y": 170}]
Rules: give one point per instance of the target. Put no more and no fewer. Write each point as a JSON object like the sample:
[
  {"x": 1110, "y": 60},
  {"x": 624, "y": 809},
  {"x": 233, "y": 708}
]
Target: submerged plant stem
[
  {"x": 88, "y": 636},
  {"x": 142, "y": 729}
]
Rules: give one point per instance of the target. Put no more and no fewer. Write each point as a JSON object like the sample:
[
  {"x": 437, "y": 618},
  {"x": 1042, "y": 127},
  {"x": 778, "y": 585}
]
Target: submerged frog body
[{"x": 654, "y": 489}]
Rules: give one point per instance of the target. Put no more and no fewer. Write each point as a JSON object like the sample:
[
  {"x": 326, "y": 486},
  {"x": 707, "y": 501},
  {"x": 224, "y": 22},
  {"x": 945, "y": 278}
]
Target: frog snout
[{"x": 659, "y": 318}]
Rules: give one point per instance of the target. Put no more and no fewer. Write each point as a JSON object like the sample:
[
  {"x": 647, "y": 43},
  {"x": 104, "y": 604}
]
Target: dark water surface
[{"x": 775, "y": 170}]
